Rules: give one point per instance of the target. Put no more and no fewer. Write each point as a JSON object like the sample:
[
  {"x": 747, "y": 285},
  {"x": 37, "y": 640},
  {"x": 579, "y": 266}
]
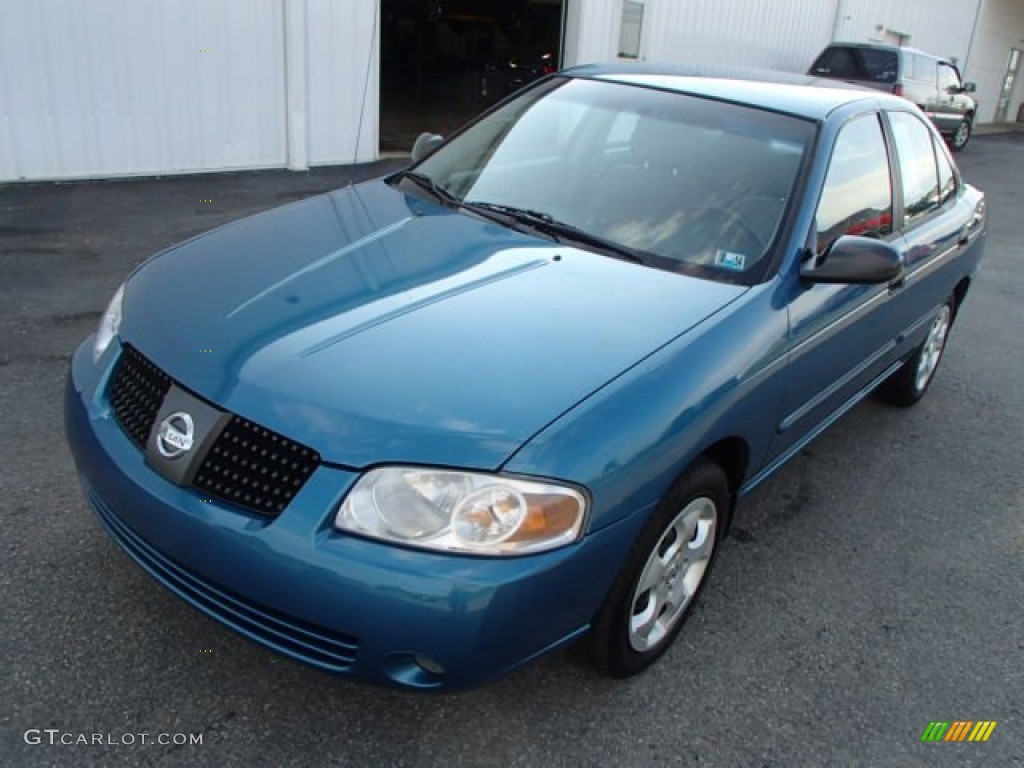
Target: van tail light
[{"x": 897, "y": 89}]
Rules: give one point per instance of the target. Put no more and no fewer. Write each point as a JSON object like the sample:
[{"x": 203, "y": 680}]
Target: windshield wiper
[
  {"x": 425, "y": 182},
  {"x": 519, "y": 214},
  {"x": 487, "y": 210},
  {"x": 560, "y": 230},
  {"x": 538, "y": 221}
]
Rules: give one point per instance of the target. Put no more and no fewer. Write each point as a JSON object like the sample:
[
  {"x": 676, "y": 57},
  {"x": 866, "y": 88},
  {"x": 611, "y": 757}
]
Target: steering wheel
[{"x": 731, "y": 222}]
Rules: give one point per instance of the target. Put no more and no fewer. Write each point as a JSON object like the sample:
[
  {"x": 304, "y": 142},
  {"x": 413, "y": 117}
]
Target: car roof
[{"x": 812, "y": 98}]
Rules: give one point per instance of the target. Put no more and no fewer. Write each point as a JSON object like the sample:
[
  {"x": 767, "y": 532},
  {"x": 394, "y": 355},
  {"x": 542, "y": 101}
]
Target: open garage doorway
[{"x": 444, "y": 61}]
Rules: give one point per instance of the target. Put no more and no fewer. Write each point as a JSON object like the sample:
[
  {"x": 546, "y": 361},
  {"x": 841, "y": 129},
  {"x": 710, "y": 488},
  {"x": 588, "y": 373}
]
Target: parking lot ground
[{"x": 873, "y": 586}]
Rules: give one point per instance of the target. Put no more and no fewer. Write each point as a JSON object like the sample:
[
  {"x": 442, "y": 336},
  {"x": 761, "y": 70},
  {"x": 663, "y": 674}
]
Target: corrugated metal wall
[
  {"x": 942, "y": 27},
  {"x": 591, "y": 31},
  {"x": 344, "y": 84},
  {"x": 748, "y": 33},
  {"x": 93, "y": 88},
  {"x": 779, "y": 35},
  {"x": 113, "y": 87},
  {"x": 135, "y": 87}
]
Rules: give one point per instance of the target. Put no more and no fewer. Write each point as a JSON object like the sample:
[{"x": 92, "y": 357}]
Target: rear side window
[
  {"x": 917, "y": 165},
  {"x": 857, "y": 196},
  {"x": 879, "y": 66},
  {"x": 847, "y": 63}
]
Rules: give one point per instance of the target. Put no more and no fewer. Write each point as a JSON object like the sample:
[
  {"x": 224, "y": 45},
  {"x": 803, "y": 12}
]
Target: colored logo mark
[{"x": 959, "y": 730}]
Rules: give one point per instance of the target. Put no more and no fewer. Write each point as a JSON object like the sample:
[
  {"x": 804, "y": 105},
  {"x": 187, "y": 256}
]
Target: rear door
[{"x": 934, "y": 221}]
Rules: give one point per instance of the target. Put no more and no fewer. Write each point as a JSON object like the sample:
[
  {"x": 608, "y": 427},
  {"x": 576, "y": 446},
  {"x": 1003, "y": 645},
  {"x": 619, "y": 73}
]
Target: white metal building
[{"x": 98, "y": 88}]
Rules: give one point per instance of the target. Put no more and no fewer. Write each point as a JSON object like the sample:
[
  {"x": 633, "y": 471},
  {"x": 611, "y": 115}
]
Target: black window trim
[
  {"x": 939, "y": 147},
  {"x": 952, "y": 66},
  {"x": 897, "y": 175}
]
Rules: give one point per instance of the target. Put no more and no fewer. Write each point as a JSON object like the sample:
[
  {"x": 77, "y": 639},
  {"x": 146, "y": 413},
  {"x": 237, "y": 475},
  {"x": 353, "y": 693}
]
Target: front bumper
[{"x": 344, "y": 604}]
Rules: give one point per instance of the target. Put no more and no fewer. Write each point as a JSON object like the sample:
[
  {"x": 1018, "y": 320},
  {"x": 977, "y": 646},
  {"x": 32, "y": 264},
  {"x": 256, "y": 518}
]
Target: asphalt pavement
[{"x": 874, "y": 585}]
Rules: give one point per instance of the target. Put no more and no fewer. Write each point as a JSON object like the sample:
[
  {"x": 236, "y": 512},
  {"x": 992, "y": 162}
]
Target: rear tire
[
  {"x": 910, "y": 382},
  {"x": 663, "y": 575}
]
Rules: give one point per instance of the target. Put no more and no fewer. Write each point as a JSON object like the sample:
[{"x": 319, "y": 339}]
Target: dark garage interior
[{"x": 444, "y": 62}]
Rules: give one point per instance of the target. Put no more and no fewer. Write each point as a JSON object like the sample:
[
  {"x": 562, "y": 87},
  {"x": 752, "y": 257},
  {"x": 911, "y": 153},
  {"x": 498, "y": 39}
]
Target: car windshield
[{"x": 678, "y": 182}]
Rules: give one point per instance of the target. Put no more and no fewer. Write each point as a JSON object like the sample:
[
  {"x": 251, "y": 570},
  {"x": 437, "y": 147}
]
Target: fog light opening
[
  {"x": 429, "y": 665},
  {"x": 415, "y": 670}
]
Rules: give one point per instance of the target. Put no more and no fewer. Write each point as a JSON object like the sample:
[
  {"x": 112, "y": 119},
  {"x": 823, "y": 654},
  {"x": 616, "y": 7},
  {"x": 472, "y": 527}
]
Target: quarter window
[
  {"x": 947, "y": 178},
  {"x": 857, "y": 197},
  {"x": 917, "y": 165}
]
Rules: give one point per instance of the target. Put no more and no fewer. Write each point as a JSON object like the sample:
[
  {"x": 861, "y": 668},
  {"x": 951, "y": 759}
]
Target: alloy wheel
[
  {"x": 672, "y": 574},
  {"x": 932, "y": 349}
]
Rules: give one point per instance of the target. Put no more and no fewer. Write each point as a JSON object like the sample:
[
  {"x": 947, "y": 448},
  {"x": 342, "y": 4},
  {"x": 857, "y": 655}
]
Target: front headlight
[
  {"x": 467, "y": 512},
  {"x": 109, "y": 325}
]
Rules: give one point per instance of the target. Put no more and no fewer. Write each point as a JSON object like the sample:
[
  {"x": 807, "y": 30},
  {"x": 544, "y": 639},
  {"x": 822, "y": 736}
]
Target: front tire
[
  {"x": 962, "y": 135},
  {"x": 910, "y": 382},
  {"x": 663, "y": 575}
]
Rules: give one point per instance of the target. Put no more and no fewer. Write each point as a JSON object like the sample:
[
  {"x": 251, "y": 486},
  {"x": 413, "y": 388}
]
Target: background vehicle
[{"x": 931, "y": 82}]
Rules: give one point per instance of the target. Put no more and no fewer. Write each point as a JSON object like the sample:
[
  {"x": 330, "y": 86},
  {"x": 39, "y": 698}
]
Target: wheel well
[
  {"x": 732, "y": 455},
  {"x": 960, "y": 292}
]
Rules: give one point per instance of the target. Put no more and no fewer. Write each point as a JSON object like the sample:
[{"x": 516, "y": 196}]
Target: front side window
[
  {"x": 857, "y": 196},
  {"x": 683, "y": 183},
  {"x": 949, "y": 80},
  {"x": 917, "y": 165}
]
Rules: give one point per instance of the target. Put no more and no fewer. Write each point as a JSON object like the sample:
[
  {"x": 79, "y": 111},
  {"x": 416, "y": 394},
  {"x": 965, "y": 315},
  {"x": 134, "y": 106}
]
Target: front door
[
  {"x": 841, "y": 336},
  {"x": 951, "y": 106}
]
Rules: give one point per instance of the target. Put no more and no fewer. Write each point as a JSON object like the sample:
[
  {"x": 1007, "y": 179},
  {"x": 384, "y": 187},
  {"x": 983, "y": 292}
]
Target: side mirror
[
  {"x": 970, "y": 87},
  {"x": 852, "y": 259},
  {"x": 424, "y": 145}
]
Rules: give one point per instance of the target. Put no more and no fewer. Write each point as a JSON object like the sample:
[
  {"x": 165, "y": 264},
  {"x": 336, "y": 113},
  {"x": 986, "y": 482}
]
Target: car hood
[{"x": 375, "y": 326}]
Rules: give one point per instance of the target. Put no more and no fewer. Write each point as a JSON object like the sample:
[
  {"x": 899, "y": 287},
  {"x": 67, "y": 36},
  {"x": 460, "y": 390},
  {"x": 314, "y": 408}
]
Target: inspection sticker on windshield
[{"x": 730, "y": 260}]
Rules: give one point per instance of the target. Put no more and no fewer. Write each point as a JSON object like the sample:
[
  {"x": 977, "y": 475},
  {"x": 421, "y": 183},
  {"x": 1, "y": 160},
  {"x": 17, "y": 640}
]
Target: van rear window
[{"x": 857, "y": 64}]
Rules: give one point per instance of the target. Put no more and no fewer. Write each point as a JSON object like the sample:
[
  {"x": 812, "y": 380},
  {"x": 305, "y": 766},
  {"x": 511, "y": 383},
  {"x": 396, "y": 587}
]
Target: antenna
[{"x": 366, "y": 88}]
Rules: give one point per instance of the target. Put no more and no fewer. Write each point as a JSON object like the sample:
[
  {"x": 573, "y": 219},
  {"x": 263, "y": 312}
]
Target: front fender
[{"x": 627, "y": 442}]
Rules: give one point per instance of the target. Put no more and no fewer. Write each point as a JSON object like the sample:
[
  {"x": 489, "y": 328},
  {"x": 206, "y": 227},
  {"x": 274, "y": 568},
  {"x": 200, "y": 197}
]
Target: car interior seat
[{"x": 640, "y": 202}]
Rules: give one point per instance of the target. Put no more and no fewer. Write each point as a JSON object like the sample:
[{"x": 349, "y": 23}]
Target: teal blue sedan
[{"x": 423, "y": 430}]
